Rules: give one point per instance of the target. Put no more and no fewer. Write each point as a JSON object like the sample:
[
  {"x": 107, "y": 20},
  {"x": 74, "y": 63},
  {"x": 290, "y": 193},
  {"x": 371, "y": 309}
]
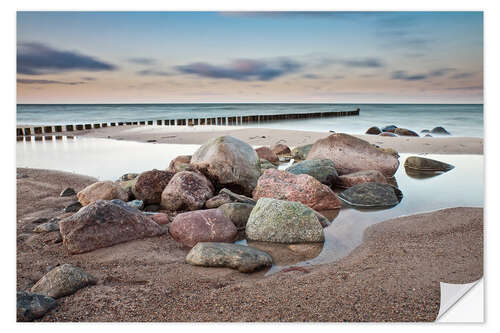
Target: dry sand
[
  {"x": 393, "y": 275},
  {"x": 269, "y": 137}
]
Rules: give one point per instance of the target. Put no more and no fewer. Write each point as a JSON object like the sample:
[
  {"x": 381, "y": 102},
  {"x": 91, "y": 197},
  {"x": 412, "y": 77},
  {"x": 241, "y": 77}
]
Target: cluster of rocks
[{"x": 393, "y": 130}]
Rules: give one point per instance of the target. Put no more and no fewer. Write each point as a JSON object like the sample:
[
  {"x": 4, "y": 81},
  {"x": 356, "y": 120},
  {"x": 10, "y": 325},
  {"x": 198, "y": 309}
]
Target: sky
[{"x": 294, "y": 57}]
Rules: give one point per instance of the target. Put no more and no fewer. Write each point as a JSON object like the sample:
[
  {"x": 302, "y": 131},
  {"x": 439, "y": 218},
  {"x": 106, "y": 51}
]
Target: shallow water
[{"x": 108, "y": 159}]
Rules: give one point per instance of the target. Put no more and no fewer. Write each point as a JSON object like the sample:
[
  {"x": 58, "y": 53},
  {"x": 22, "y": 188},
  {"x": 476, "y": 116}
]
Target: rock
[
  {"x": 246, "y": 259},
  {"x": 186, "y": 191},
  {"x": 265, "y": 164},
  {"x": 180, "y": 163},
  {"x": 390, "y": 151},
  {"x": 237, "y": 197},
  {"x": 325, "y": 222},
  {"x": 267, "y": 154},
  {"x": 288, "y": 254},
  {"x": 350, "y": 154},
  {"x": 426, "y": 164},
  {"x": 105, "y": 223},
  {"x": 300, "y": 153},
  {"x": 389, "y": 128},
  {"x": 41, "y": 219},
  {"x": 321, "y": 169},
  {"x": 209, "y": 225},
  {"x": 388, "y": 134},
  {"x": 440, "y": 130},
  {"x": 73, "y": 207},
  {"x": 425, "y": 131},
  {"x": 237, "y": 212},
  {"x": 364, "y": 176},
  {"x": 228, "y": 162},
  {"x": 281, "y": 149},
  {"x": 105, "y": 190},
  {"x": 67, "y": 192},
  {"x": 279, "y": 184},
  {"x": 32, "y": 306},
  {"x": 129, "y": 176},
  {"x": 63, "y": 281},
  {"x": 150, "y": 185},
  {"x": 21, "y": 175},
  {"x": 160, "y": 218},
  {"x": 218, "y": 201},
  {"x": 373, "y": 130},
  {"x": 129, "y": 187},
  {"x": 151, "y": 140},
  {"x": 404, "y": 132},
  {"x": 428, "y": 136},
  {"x": 371, "y": 195},
  {"x": 137, "y": 204},
  {"x": 151, "y": 208},
  {"x": 47, "y": 227},
  {"x": 282, "y": 221}
]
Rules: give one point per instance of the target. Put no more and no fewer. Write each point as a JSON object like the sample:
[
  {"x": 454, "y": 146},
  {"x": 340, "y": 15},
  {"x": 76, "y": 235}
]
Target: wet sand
[{"x": 393, "y": 275}]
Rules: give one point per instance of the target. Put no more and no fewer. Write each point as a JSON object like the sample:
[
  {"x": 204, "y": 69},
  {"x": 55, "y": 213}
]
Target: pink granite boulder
[
  {"x": 186, "y": 191},
  {"x": 301, "y": 188},
  {"x": 150, "y": 185},
  {"x": 365, "y": 176}
]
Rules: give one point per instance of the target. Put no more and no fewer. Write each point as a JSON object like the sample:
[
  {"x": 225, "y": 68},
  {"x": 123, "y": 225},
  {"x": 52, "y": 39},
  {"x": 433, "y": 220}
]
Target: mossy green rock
[
  {"x": 282, "y": 221},
  {"x": 321, "y": 169}
]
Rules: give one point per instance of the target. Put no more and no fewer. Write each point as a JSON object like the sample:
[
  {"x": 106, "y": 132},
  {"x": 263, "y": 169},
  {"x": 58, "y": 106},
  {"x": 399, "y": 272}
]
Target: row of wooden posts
[{"x": 238, "y": 120}]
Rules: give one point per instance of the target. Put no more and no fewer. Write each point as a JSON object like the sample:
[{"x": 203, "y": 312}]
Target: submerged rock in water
[
  {"x": 365, "y": 176},
  {"x": 187, "y": 191},
  {"x": 180, "y": 163},
  {"x": 426, "y": 164},
  {"x": 105, "y": 223},
  {"x": 373, "y": 130},
  {"x": 282, "y": 221},
  {"x": 281, "y": 149},
  {"x": 150, "y": 185},
  {"x": 63, "y": 281},
  {"x": 31, "y": 306},
  {"x": 288, "y": 254},
  {"x": 371, "y": 195},
  {"x": 279, "y": 184},
  {"x": 218, "y": 201},
  {"x": 246, "y": 259},
  {"x": 67, "y": 192},
  {"x": 300, "y": 153},
  {"x": 267, "y": 154},
  {"x": 105, "y": 190},
  {"x": 350, "y": 154},
  {"x": 321, "y": 169},
  {"x": 440, "y": 130},
  {"x": 389, "y": 128},
  {"x": 228, "y": 162},
  {"x": 405, "y": 132},
  {"x": 238, "y": 213},
  {"x": 209, "y": 225}
]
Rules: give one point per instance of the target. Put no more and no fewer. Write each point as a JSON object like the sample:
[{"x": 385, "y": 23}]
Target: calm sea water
[{"x": 464, "y": 120}]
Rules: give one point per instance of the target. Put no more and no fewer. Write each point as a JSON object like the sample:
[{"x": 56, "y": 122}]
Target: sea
[{"x": 461, "y": 120}]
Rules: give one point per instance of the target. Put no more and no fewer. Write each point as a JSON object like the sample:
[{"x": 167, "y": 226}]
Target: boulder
[
  {"x": 137, "y": 204},
  {"x": 350, "y": 154},
  {"x": 151, "y": 208},
  {"x": 371, "y": 195},
  {"x": 47, "y": 227},
  {"x": 186, "y": 191},
  {"x": 373, "y": 130},
  {"x": 300, "y": 153},
  {"x": 218, "y": 201},
  {"x": 267, "y": 154},
  {"x": 404, "y": 132},
  {"x": 428, "y": 135},
  {"x": 246, "y": 259},
  {"x": 228, "y": 162},
  {"x": 364, "y": 176},
  {"x": 390, "y": 151},
  {"x": 426, "y": 164},
  {"x": 321, "y": 169},
  {"x": 440, "y": 130},
  {"x": 237, "y": 197},
  {"x": 73, "y": 207},
  {"x": 279, "y": 184},
  {"x": 209, "y": 225},
  {"x": 129, "y": 176},
  {"x": 265, "y": 164},
  {"x": 67, "y": 192},
  {"x": 288, "y": 254},
  {"x": 238, "y": 213},
  {"x": 105, "y": 190},
  {"x": 31, "y": 306},
  {"x": 389, "y": 128},
  {"x": 180, "y": 163},
  {"x": 425, "y": 131},
  {"x": 282, "y": 221},
  {"x": 160, "y": 218},
  {"x": 105, "y": 223},
  {"x": 129, "y": 186},
  {"x": 63, "y": 281},
  {"x": 150, "y": 185},
  {"x": 281, "y": 149},
  {"x": 388, "y": 134}
]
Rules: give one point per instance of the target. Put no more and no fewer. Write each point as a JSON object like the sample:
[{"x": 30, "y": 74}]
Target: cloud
[
  {"x": 36, "y": 59},
  {"x": 461, "y": 75},
  {"x": 142, "y": 61},
  {"x": 354, "y": 62},
  {"x": 30, "y": 81},
  {"x": 311, "y": 76},
  {"x": 243, "y": 69},
  {"x": 403, "y": 75},
  {"x": 88, "y": 78},
  {"x": 153, "y": 72},
  {"x": 441, "y": 71}
]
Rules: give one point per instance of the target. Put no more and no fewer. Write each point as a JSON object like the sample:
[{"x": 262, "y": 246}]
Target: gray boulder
[
  {"x": 32, "y": 306},
  {"x": 246, "y": 259},
  {"x": 187, "y": 191},
  {"x": 218, "y": 201},
  {"x": 282, "y": 221},
  {"x": 238, "y": 213},
  {"x": 426, "y": 164},
  {"x": 321, "y": 169},
  {"x": 371, "y": 195},
  {"x": 300, "y": 153},
  {"x": 47, "y": 227},
  {"x": 237, "y": 197},
  {"x": 63, "y": 281}
]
